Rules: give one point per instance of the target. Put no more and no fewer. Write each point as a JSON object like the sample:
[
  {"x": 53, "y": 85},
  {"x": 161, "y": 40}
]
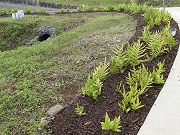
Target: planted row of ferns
[{"x": 139, "y": 79}]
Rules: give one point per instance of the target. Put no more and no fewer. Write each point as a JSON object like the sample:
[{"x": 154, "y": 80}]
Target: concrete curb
[{"x": 164, "y": 116}]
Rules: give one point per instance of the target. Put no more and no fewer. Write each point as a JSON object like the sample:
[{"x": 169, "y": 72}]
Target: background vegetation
[
  {"x": 14, "y": 33},
  {"x": 115, "y": 2}
]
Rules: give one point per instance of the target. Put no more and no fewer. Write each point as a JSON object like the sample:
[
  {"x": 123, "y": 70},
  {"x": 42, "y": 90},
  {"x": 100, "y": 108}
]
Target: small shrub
[
  {"x": 157, "y": 74},
  {"x": 7, "y": 11},
  {"x": 153, "y": 17},
  {"x": 27, "y": 11},
  {"x": 119, "y": 87},
  {"x": 101, "y": 71},
  {"x": 92, "y": 87},
  {"x": 141, "y": 77},
  {"x": 156, "y": 45},
  {"x": 167, "y": 37},
  {"x": 130, "y": 99},
  {"x": 135, "y": 53},
  {"x": 94, "y": 84},
  {"x": 166, "y": 17},
  {"x": 40, "y": 11},
  {"x": 131, "y": 56},
  {"x": 146, "y": 34},
  {"x": 2, "y": 12},
  {"x": 80, "y": 110},
  {"x": 118, "y": 61},
  {"x": 109, "y": 8},
  {"x": 62, "y": 10},
  {"x": 121, "y": 7},
  {"x": 133, "y": 8},
  {"x": 89, "y": 9},
  {"x": 113, "y": 125},
  {"x": 139, "y": 80}
]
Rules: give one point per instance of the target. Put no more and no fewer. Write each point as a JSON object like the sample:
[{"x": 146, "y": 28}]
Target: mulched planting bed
[{"x": 68, "y": 123}]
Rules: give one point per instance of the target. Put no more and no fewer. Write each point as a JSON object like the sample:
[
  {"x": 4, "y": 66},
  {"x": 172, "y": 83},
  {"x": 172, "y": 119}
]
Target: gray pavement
[{"x": 164, "y": 117}]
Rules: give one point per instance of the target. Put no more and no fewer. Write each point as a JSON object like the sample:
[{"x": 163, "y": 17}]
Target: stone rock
[
  {"x": 46, "y": 30},
  {"x": 55, "y": 110},
  {"x": 40, "y": 131},
  {"x": 51, "y": 31},
  {"x": 44, "y": 33},
  {"x": 45, "y": 121},
  {"x": 173, "y": 31}
]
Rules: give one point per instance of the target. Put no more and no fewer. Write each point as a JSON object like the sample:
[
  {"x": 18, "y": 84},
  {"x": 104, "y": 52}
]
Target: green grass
[
  {"x": 168, "y": 3},
  {"x": 114, "y": 2},
  {"x": 15, "y": 33},
  {"x": 32, "y": 79}
]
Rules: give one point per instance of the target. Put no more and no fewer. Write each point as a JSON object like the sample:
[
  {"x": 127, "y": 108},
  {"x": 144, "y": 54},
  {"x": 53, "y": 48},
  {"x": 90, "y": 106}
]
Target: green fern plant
[
  {"x": 92, "y": 87},
  {"x": 125, "y": 105},
  {"x": 135, "y": 53},
  {"x": 109, "y": 8},
  {"x": 80, "y": 110},
  {"x": 157, "y": 74},
  {"x": 119, "y": 60},
  {"x": 101, "y": 71},
  {"x": 146, "y": 34},
  {"x": 167, "y": 37},
  {"x": 133, "y": 7},
  {"x": 133, "y": 77},
  {"x": 94, "y": 84},
  {"x": 142, "y": 77},
  {"x": 119, "y": 88},
  {"x": 153, "y": 17},
  {"x": 113, "y": 125},
  {"x": 166, "y": 17},
  {"x": 120, "y": 7},
  {"x": 130, "y": 99},
  {"x": 156, "y": 45},
  {"x": 139, "y": 81},
  {"x": 135, "y": 103}
]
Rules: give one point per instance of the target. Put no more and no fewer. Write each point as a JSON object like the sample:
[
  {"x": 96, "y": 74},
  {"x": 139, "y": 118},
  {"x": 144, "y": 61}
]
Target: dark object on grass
[
  {"x": 55, "y": 110},
  {"x": 44, "y": 33}
]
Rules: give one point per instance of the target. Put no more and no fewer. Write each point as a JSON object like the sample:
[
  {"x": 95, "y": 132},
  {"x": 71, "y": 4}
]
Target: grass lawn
[
  {"x": 114, "y": 2},
  {"x": 13, "y": 33},
  {"x": 32, "y": 79}
]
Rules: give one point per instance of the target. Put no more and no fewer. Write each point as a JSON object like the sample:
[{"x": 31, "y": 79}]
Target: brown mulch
[{"x": 68, "y": 123}]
